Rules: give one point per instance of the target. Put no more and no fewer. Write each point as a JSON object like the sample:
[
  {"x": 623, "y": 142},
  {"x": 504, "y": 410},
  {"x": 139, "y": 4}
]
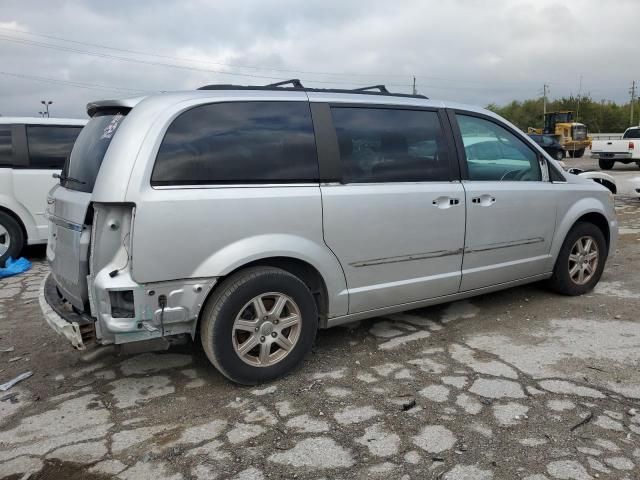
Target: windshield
[
  {"x": 632, "y": 133},
  {"x": 82, "y": 167},
  {"x": 579, "y": 132}
]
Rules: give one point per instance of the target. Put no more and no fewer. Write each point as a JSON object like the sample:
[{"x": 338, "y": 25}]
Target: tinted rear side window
[
  {"x": 6, "y": 147},
  {"x": 89, "y": 150},
  {"x": 50, "y": 146},
  {"x": 634, "y": 133},
  {"x": 389, "y": 145},
  {"x": 239, "y": 142}
]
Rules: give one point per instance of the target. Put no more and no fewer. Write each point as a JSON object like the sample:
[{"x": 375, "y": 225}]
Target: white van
[{"x": 31, "y": 151}]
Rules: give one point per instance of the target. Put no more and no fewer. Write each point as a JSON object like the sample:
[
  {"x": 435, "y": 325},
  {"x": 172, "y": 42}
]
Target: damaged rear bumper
[{"x": 59, "y": 315}]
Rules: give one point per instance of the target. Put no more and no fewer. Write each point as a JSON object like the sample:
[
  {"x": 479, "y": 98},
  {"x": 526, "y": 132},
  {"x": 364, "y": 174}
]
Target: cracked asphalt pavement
[{"x": 520, "y": 384}]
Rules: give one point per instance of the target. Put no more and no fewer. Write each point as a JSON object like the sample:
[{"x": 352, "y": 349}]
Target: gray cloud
[{"x": 465, "y": 50}]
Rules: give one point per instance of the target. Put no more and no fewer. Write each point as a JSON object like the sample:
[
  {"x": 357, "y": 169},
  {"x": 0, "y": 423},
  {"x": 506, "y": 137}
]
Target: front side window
[
  {"x": 239, "y": 142},
  {"x": 6, "y": 147},
  {"x": 50, "y": 146},
  {"x": 494, "y": 153},
  {"x": 390, "y": 145}
]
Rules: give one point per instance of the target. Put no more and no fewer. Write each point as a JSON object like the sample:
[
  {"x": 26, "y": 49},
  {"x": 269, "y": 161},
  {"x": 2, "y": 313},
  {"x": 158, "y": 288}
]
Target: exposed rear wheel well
[
  {"x": 599, "y": 221},
  {"x": 301, "y": 269},
  {"x": 12, "y": 214}
]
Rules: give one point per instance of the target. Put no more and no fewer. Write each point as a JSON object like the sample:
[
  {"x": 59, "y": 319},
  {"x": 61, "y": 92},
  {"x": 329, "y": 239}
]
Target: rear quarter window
[
  {"x": 49, "y": 146},
  {"x": 238, "y": 142}
]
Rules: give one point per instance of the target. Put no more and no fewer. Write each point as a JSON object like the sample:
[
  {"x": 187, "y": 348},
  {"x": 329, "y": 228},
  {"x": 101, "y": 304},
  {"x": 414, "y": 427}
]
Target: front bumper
[{"x": 59, "y": 315}]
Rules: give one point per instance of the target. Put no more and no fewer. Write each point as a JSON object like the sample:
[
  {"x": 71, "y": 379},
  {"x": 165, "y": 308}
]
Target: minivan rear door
[
  {"x": 68, "y": 204},
  {"x": 396, "y": 217}
]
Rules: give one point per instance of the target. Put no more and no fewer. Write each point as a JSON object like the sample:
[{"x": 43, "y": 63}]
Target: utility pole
[
  {"x": 415, "y": 92},
  {"x": 633, "y": 98},
  {"x": 545, "y": 89},
  {"x": 579, "y": 97}
]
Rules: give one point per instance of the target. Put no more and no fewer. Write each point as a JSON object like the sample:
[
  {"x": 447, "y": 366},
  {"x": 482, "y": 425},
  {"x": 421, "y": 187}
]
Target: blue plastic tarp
[{"x": 14, "y": 267}]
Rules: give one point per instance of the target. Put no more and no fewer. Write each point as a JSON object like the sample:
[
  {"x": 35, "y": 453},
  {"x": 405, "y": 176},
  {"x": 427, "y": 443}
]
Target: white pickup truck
[{"x": 626, "y": 150}]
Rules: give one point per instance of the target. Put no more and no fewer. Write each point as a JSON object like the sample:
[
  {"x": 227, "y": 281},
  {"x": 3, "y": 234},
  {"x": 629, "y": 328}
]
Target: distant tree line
[{"x": 600, "y": 117}]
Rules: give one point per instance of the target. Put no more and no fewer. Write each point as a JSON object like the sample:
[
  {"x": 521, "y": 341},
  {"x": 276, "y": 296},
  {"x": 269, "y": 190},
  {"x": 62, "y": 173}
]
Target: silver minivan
[{"x": 252, "y": 216}]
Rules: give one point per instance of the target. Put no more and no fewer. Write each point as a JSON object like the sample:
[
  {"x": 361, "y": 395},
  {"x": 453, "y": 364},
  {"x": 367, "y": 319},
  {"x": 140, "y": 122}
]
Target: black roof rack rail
[
  {"x": 381, "y": 88},
  {"x": 296, "y": 86},
  {"x": 295, "y": 82}
]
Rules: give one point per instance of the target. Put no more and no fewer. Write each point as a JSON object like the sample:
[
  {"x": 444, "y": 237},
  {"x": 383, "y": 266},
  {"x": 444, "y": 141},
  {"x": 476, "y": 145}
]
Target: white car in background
[{"x": 31, "y": 151}]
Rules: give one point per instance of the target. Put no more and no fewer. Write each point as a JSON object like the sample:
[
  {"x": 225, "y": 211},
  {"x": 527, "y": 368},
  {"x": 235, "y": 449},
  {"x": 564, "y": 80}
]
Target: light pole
[
  {"x": 41, "y": 114},
  {"x": 46, "y": 104}
]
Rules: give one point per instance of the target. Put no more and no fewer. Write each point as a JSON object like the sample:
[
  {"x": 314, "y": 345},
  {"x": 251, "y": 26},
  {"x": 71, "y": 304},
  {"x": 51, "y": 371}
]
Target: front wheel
[
  {"x": 581, "y": 260},
  {"x": 258, "y": 325},
  {"x": 606, "y": 164},
  {"x": 11, "y": 238},
  {"x": 578, "y": 153}
]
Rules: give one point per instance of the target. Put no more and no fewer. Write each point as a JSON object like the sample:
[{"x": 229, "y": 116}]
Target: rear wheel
[
  {"x": 578, "y": 153},
  {"x": 258, "y": 325},
  {"x": 581, "y": 260},
  {"x": 606, "y": 164},
  {"x": 11, "y": 238}
]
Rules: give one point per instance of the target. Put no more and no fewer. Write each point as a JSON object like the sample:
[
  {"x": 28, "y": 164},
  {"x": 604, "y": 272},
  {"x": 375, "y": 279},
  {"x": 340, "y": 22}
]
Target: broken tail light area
[
  {"x": 127, "y": 311},
  {"x": 122, "y": 304}
]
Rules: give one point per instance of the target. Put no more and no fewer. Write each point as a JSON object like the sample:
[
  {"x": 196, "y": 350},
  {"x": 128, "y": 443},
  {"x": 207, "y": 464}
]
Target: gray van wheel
[
  {"x": 258, "y": 325},
  {"x": 11, "y": 238},
  {"x": 581, "y": 260}
]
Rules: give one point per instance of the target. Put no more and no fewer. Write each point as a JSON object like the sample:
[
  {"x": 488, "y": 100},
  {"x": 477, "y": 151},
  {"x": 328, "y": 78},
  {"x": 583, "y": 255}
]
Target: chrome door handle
[
  {"x": 445, "y": 202},
  {"x": 485, "y": 200}
]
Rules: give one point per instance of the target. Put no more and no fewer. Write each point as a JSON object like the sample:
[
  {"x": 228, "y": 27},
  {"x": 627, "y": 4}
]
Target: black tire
[
  {"x": 561, "y": 280},
  {"x": 230, "y": 299},
  {"x": 578, "y": 153},
  {"x": 10, "y": 234},
  {"x": 559, "y": 155},
  {"x": 606, "y": 164}
]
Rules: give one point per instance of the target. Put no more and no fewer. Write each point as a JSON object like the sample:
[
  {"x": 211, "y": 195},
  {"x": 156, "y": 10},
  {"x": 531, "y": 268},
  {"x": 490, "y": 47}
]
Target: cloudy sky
[{"x": 473, "y": 51}]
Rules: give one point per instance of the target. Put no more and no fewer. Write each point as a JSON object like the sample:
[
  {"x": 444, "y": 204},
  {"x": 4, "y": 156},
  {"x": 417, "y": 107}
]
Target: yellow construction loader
[{"x": 572, "y": 135}]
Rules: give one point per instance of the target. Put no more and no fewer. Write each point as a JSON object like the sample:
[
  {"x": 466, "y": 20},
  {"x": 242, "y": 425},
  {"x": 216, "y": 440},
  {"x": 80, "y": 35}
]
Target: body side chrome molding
[
  {"x": 406, "y": 258},
  {"x": 495, "y": 246}
]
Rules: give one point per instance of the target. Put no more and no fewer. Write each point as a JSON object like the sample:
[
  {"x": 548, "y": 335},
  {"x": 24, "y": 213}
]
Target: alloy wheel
[
  {"x": 5, "y": 240},
  {"x": 583, "y": 260},
  {"x": 266, "y": 329}
]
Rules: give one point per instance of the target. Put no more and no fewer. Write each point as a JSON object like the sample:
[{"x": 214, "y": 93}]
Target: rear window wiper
[{"x": 65, "y": 178}]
